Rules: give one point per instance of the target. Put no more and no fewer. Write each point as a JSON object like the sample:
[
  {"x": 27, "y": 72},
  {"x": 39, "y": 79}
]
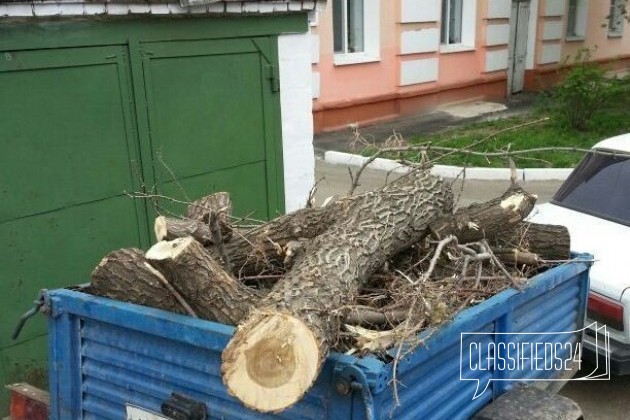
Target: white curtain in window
[
  {"x": 572, "y": 18},
  {"x": 615, "y": 20},
  {"x": 451, "y": 32},
  {"x": 349, "y": 26},
  {"x": 338, "y": 26},
  {"x": 356, "y": 29},
  {"x": 455, "y": 24}
]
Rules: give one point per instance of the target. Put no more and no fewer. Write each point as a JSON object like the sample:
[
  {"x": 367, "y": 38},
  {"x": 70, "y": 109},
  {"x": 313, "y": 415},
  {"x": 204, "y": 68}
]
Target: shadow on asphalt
[{"x": 600, "y": 399}]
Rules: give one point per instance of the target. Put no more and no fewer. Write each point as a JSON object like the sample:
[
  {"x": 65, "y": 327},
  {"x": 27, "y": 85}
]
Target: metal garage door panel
[
  {"x": 56, "y": 249},
  {"x": 65, "y": 164},
  {"x": 67, "y": 139},
  {"x": 206, "y": 102},
  {"x": 250, "y": 197}
]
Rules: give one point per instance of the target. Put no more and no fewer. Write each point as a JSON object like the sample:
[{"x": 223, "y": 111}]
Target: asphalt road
[
  {"x": 599, "y": 400},
  {"x": 335, "y": 179}
]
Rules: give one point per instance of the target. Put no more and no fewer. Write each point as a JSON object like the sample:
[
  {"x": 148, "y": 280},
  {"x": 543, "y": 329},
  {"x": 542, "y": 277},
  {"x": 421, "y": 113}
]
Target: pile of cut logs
[{"x": 361, "y": 274}]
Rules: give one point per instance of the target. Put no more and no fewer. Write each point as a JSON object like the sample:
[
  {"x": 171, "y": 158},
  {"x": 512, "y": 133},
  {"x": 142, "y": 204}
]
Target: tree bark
[
  {"x": 485, "y": 220},
  {"x": 169, "y": 228},
  {"x": 127, "y": 276},
  {"x": 546, "y": 242},
  {"x": 265, "y": 246},
  {"x": 277, "y": 351},
  {"x": 262, "y": 247},
  {"x": 211, "y": 292},
  {"x": 213, "y": 210},
  {"x": 219, "y": 203}
]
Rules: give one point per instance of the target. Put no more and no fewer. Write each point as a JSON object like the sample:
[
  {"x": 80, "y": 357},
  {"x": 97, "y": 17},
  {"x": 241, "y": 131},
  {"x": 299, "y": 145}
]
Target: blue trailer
[{"x": 109, "y": 357}]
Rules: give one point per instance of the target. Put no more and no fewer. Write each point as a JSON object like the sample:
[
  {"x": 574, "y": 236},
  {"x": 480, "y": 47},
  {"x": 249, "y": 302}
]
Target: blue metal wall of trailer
[{"x": 105, "y": 354}]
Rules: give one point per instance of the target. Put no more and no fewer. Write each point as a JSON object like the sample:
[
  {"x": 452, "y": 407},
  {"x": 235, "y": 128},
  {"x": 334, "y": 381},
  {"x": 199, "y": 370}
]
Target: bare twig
[
  {"x": 262, "y": 277},
  {"x": 357, "y": 175},
  {"x": 436, "y": 256},
  {"x": 310, "y": 201},
  {"x": 217, "y": 238},
  {"x": 500, "y": 265},
  {"x": 506, "y": 153},
  {"x": 170, "y": 171},
  {"x": 171, "y": 289},
  {"x": 488, "y": 137}
]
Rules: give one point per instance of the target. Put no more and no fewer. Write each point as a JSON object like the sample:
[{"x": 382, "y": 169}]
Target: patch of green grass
[{"x": 614, "y": 119}]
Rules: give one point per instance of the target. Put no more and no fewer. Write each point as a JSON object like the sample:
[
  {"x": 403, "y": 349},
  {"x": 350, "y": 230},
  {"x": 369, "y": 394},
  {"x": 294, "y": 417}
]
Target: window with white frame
[
  {"x": 356, "y": 27},
  {"x": 452, "y": 22},
  {"x": 616, "y": 17},
  {"x": 458, "y": 25},
  {"x": 576, "y": 19}
]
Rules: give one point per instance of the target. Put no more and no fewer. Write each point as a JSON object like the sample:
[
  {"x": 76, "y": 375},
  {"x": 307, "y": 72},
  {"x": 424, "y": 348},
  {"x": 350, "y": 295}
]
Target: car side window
[{"x": 600, "y": 186}]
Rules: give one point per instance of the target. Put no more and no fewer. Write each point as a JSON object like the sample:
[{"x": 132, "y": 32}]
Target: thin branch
[
  {"x": 217, "y": 238},
  {"x": 310, "y": 201},
  {"x": 436, "y": 256},
  {"x": 171, "y": 289},
  {"x": 357, "y": 175},
  {"x": 451, "y": 151},
  {"x": 170, "y": 171},
  {"x": 507, "y": 153}
]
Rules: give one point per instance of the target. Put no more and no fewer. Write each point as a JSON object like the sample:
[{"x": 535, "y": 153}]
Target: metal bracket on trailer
[
  {"x": 351, "y": 378},
  {"x": 40, "y": 305}
]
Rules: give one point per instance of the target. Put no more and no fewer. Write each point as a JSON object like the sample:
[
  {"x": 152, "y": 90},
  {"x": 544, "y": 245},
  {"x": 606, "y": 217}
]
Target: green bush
[{"x": 584, "y": 91}]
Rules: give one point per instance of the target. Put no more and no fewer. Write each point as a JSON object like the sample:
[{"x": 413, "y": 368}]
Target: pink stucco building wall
[{"x": 412, "y": 71}]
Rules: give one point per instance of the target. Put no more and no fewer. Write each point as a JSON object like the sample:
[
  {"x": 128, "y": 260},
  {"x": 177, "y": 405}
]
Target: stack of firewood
[{"x": 364, "y": 273}]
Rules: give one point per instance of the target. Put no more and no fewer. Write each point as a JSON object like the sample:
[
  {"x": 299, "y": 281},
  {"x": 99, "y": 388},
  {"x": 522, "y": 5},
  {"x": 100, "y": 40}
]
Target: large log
[
  {"x": 266, "y": 245},
  {"x": 278, "y": 350},
  {"x": 219, "y": 203},
  {"x": 272, "y": 242},
  {"x": 544, "y": 242},
  {"x": 262, "y": 247},
  {"x": 196, "y": 220},
  {"x": 126, "y": 275},
  {"x": 209, "y": 289},
  {"x": 486, "y": 220},
  {"x": 169, "y": 228}
]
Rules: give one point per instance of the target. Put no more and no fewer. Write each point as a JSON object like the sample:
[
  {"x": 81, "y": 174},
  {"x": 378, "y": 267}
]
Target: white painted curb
[{"x": 447, "y": 171}]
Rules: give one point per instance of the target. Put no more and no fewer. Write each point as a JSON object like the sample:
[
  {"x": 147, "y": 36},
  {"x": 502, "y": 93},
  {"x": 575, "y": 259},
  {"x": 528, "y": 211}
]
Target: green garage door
[
  {"x": 206, "y": 102},
  {"x": 66, "y": 151},
  {"x": 83, "y": 125}
]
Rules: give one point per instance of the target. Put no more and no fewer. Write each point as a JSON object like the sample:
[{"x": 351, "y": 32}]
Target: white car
[{"x": 594, "y": 204}]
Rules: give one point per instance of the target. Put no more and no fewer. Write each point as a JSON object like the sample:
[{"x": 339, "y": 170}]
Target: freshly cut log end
[
  {"x": 160, "y": 228},
  {"x": 168, "y": 249},
  {"x": 167, "y": 228},
  {"x": 271, "y": 362},
  {"x": 211, "y": 291},
  {"x": 126, "y": 275}
]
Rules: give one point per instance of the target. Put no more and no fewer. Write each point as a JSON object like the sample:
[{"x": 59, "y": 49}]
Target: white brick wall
[
  {"x": 296, "y": 81},
  {"x": 418, "y": 71},
  {"x": 419, "y": 41},
  {"x": 554, "y": 7},
  {"x": 80, "y": 8},
  {"x": 532, "y": 38},
  {"x": 552, "y": 30},
  {"x": 420, "y": 11},
  {"x": 316, "y": 84},
  {"x": 550, "y": 53},
  {"x": 498, "y": 34},
  {"x": 315, "y": 48},
  {"x": 499, "y": 9},
  {"x": 496, "y": 60}
]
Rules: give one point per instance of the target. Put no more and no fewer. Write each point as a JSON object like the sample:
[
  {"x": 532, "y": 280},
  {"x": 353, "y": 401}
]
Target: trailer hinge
[
  {"x": 40, "y": 305},
  {"x": 274, "y": 77},
  {"x": 351, "y": 379}
]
